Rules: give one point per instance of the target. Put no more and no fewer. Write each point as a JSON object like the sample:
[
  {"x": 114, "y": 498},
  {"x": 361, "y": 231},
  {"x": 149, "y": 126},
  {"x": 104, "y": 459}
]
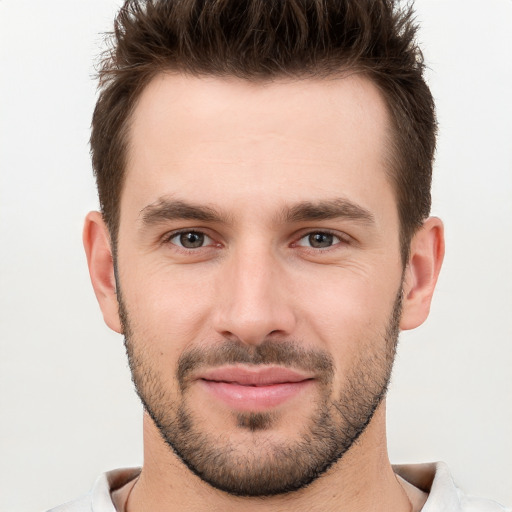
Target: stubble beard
[{"x": 262, "y": 466}]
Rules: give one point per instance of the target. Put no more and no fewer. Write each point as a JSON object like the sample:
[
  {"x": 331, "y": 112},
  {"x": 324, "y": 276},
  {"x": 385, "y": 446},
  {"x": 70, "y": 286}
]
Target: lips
[{"x": 254, "y": 389}]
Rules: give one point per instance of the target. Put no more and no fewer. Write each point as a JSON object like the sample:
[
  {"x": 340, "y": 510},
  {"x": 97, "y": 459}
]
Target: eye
[
  {"x": 190, "y": 239},
  {"x": 319, "y": 240}
]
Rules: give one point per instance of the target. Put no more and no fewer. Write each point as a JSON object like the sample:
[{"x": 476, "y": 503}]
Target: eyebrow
[
  {"x": 165, "y": 209},
  {"x": 325, "y": 210}
]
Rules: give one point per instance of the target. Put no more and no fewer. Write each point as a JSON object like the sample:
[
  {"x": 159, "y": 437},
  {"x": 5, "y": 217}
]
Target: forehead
[{"x": 212, "y": 138}]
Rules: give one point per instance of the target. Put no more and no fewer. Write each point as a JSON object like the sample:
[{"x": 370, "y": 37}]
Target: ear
[
  {"x": 425, "y": 260},
  {"x": 98, "y": 250}
]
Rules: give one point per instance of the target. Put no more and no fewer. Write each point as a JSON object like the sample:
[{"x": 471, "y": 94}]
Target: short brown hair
[{"x": 262, "y": 40}]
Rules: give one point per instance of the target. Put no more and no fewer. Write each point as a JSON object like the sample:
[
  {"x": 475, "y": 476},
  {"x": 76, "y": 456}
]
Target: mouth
[{"x": 252, "y": 389}]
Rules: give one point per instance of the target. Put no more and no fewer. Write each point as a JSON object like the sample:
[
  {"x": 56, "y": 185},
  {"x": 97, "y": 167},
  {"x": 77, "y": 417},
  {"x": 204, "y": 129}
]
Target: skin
[{"x": 251, "y": 151}]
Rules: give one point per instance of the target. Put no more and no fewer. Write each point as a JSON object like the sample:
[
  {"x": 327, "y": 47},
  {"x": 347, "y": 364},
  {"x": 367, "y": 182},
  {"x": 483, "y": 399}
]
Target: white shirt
[{"x": 435, "y": 479}]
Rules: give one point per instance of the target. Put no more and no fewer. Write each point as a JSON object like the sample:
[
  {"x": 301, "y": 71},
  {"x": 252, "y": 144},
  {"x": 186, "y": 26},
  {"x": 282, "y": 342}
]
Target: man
[{"x": 264, "y": 176}]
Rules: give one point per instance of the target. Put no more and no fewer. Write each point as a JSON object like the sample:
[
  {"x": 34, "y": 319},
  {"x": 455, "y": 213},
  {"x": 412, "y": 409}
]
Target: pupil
[
  {"x": 319, "y": 240},
  {"x": 192, "y": 240}
]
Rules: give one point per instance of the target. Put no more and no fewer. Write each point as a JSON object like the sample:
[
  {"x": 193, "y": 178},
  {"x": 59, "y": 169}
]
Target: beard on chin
[{"x": 261, "y": 465}]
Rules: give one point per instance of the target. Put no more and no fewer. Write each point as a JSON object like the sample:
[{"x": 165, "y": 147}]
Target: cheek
[
  {"x": 347, "y": 298},
  {"x": 349, "y": 316},
  {"x": 165, "y": 318},
  {"x": 168, "y": 307}
]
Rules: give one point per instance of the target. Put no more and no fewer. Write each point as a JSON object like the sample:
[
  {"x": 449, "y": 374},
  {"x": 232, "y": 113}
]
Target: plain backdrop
[{"x": 68, "y": 410}]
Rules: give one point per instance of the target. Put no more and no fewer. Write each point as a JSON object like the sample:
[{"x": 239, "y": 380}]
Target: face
[{"x": 259, "y": 273}]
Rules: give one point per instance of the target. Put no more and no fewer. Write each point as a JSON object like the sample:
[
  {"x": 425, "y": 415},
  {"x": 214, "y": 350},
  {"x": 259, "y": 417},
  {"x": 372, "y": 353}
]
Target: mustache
[{"x": 270, "y": 352}]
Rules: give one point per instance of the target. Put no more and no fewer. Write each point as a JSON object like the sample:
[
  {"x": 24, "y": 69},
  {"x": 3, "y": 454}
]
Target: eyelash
[
  {"x": 342, "y": 239},
  {"x": 169, "y": 237}
]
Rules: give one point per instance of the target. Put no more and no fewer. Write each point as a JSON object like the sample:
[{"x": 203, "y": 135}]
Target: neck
[{"x": 362, "y": 480}]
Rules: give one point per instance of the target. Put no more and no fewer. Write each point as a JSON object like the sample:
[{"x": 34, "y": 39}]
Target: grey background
[{"x": 68, "y": 411}]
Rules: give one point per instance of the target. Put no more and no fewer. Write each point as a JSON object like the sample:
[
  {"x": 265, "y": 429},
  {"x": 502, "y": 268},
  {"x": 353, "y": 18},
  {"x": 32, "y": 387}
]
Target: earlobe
[
  {"x": 421, "y": 273},
  {"x": 98, "y": 250}
]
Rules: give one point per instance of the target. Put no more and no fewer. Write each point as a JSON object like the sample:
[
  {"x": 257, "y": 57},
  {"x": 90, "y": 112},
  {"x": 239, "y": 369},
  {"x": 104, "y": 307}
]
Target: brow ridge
[
  {"x": 165, "y": 209},
  {"x": 325, "y": 210}
]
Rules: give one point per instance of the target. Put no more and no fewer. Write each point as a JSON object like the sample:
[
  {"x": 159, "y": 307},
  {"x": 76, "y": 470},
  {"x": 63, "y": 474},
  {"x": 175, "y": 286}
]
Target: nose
[{"x": 253, "y": 302}]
